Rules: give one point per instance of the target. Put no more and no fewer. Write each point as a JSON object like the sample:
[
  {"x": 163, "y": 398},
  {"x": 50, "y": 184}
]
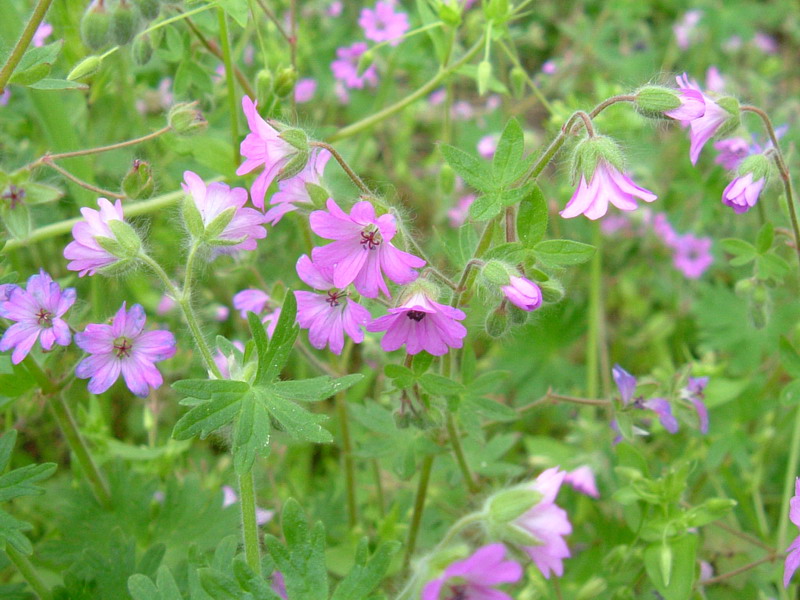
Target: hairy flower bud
[
  {"x": 138, "y": 182},
  {"x": 124, "y": 21},
  {"x": 264, "y": 85},
  {"x": 95, "y": 26},
  {"x": 186, "y": 119},
  {"x": 284, "y": 82},
  {"x": 591, "y": 150},
  {"x": 497, "y": 323},
  {"x": 149, "y": 8},
  {"x": 88, "y": 66},
  {"x": 496, "y": 272},
  {"x": 484, "y": 76},
  {"x": 142, "y": 50},
  {"x": 654, "y": 100}
]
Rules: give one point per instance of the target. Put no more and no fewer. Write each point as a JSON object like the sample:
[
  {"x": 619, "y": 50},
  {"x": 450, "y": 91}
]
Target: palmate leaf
[
  {"x": 250, "y": 407},
  {"x": 366, "y": 573}
]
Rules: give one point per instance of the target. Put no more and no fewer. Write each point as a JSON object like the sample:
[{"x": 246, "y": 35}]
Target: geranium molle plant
[
  {"x": 742, "y": 193},
  {"x": 123, "y": 347},
  {"x": 295, "y": 190},
  {"x": 37, "y": 313},
  {"x": 475, "y": 577}
]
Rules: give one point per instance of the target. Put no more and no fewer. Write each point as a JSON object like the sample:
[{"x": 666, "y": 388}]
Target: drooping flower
[
  {"x": 37, "y": 313},
  {"x": 263, "y": 146},
  {"x": 706, "y": 126},
  {"x": 692, "y": 255},
  {"x": 327, "y": 316},
  {"x": 742, "y": 193},
  {"x": 383, "y": 24},
  {"x": 214, "y": 199},
  {"x": 124, "y": 347},
  {"x": 523, "y": 293},
  {"x": 91, "y": 249},
  {"x": 582, "y": 479},
  {"x": 304, "y": 90},
  {"x": 626, "y": 384},
  {"x": 293, "y": 191},
  {"x": 345, "y": 67},
  {"x": 547, "y": 523},
  {"x": 421, "y": 324},
  {"x": 362, "y": 251},
  {"x": 229, "y": 498},
  {"x": 793, "y": 551},
  {"x": 475, "y": 578}
]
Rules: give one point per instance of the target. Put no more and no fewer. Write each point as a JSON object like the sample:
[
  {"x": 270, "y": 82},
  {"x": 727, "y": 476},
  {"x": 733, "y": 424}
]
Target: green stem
[
  {"x": 229, "y": 74},
  {"x": 347, "y": 444},
  {"x": 593, "y": 338},
  {"x": 28, "y": 572},
  {"x": 24, "y": 41},
  {"x": 459, "y": 454},
  {"x": 419, "y": 506},
  {"x": 788, "y": 481},
  {"x": 534, "y": 88},
  {"x": 247, "y": 495},
  {"x": 428, "y": 87},
  {"x": 468, "y": 274},
  {"x": 84, "y": 184},
  {"x": 376, "y": 472},
  {"x": 359, "y": 183},
  {"x": 186, "y": 293}
]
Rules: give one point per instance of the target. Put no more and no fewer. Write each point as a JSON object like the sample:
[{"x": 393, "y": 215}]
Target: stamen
[
  {"x": 122, "y": 347},
  {"x": 44, "y": 317},
  {"x": 371, "y": 239},
  {"x": 333, "y": 297},
  {"x": 415, "y": 315}
]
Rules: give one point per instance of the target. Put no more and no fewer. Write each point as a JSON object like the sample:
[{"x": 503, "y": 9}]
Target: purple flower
[
  {"x": 582, "y": 479},
  {"x": 36, "y": 312},
  {"x": 224, "y": 362},
  {"x": 212, "y": 200},
  {"x": 278, "y": 583},
  {"x": 732, "y": 151},
  {"x": 421, "y": 324},
  {"x": 304, "y": 90},
  {"x": 438, "y": 97},
  {"x": 475, "y": 578},
  {"x": 229, "y": 498},
  {"x": 692, "y": 255},
  {"x": 549, "y": 67},
  {"x": 327, "y": 316},
  {"x": 85, "y": 254},
  {"x": 123, "y": 347},
  {"x": 715, "y": 82},
  {"x": 766, "y": 43},
  {"x": 345, "y": 67},
  {"x": 459, "y": 213},
  {"x": 692, "y": 106},
  {"x": 664, "y": 230},
  {"x": 695, "y": 391},
  {"x": 793, "y": 556},
  {"x": 363, "y": 251},
  {"x": 742, "y": 193},
  {"x": 684, "y": 29},
  {"x": 703, "y": 128},
  {"x": 523, "y": 293},
  {"x": 626, "y": 384},
  {"x": 487, "y": 146},
  {"x": 663, "y": 410},
  {"x": 263, "y": 146},
  {"x": 548, "y": 523},
  {"x": 250, "y": 300},
  {"x": 613, "y": 224},
  {"x": 607, "y": 184},
  {"x": 5, "y": 97},
  {"x": 41, "y": 34},
  {"x": 294, "y": 190},
  {"x": 382, "y": 24},
  {"x": 335, "y": 8}
]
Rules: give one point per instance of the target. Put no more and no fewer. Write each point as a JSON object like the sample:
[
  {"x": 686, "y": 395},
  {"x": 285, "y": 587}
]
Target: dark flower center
[
  {"x": 457, "y": 592},
  {"x": 370, "y": 239},
  {"x": 333, "y": 297},
  {"x": 122, "y": 347},
  {"x": 44, "y": 317},
  {"x": 14, "y": 195},
  {"x": 415, "y": 315}
]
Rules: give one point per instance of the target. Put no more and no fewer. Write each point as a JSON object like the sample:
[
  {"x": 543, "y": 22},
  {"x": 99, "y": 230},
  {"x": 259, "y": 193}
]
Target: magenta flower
[
  {"x": 459, "y": 213},
  {"x": 475, "y": 578},
  {"x": 362, "y": 251},
  {"x": 663, "y": 410},
  {"x": 766, "y": 43},
  {"x": 742, "y": 193},
  {"x": 229, "y": 498},
  {"x": 487, "y": 146},
  {"x": 421, "y": 324},
  {"x": 345, "y": 67},
  {"x": 692, "y": 255},
  {"x": 382, "y": 24},
  {"x": 123, "y": 347},
  {"x": 685, "y": 28},
  {"x": 263, "y": 146},
  {"x": 85, "y": 254},
  {"x": 523, "y": 293},
  {"x": 705, "y": 127},
  {"x": 732, "y": 151},
  {"x": 693, "y": 106},
  {"x": 793, "y": 556},
  {"x": 549, "y": 67},
  {"x": 304, "y": 90},
  {"x": 278, "y": 583},
  {"x": 43, "y": 31},
  {"x": 607, "y": 184},
  {"x": 271, "y": 321},
  {"x": 695, "y": 392},
  {"x": 548, "y": 523},
  {"x": 250, "y": 300},
  {"x": 293, "y": 191},
  {"x": 663, "y": 229},
  {"x": 213, "y": 199},
  {"x": 36, "y": 312},
  {"x": 626, "y": 384},
  {"x": 582, "y": 480},
  {"x": 327, "y": 316}
]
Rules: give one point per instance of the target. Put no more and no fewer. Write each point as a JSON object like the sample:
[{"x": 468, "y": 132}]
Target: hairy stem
[
  {"x": 28, "y": 572},
  {"x": 419, "y": 506},
  {"x": 229, "y": 74},
  {"x": 458, "y": 451},
  {"x": 345, "y": 167},
  {"x": 24, "y": 41},
  {"x": 247, "y": 495},
  {"x": 82, "y": 183}
]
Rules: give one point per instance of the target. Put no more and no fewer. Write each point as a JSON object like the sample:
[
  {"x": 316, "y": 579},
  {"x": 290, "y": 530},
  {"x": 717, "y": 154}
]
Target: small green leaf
[
  {"x": 743, "y": 251},
  {"x": 790, "y": 359},
  {"x": 36, "y": 63},
  {"x": 142, "y": 588},
  {"x": 765, "y": 237},
  {"x": 485, "y": 207},
  {"x": 508, "y": 155},
  {"x": 790, "y": 394},
  {"x": 316, "y": 389},
  {"x": 297, "y": 421},
  {"x": 563, "y": 252},
  {"x": 438, "y": 385},
  {"x": 771, "y": 266},
  {"x": 421, "y": 363},
  {"x": 673, "y": 578},
  {"x": 206, "y": 418},
  {"x": 219, "y": 586},
  {"x": 532, "y": 218},
  {"x": 472, "y": 170},
  {"x": 19, "y": 482},
  {"x": 7, "y": 441},
  {"x": 251, "y": 435},
  {"x": 366, "y": 575},
  {"x": 271, "y": 362},
  {"x": 58, "y": 84},
  {"x": 40, "y": 193},
  {"x": 237, "y": 9}
]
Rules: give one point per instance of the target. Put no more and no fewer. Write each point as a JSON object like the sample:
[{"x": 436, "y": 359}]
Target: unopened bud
[
  {"x": 95, "y": 26},
  {"x": 124, "y": 22},
  {"x": 284, "y": 82},
  {"x": 496, "y": 273},
  {"x": 186, "y": 119},
  {"x": 484, "y": 76},
  {"x": 138, "y": 183},
  {"x": 653, "y": 100},
  {"x": 497, "y": 324},
  {"x": 88, "y": 66},
  {"x": 142, "y": 50},
  {"x": 518, "y": 78},
  {"x": 264, "y": 87},
  {"x": 149, "y": 8}
]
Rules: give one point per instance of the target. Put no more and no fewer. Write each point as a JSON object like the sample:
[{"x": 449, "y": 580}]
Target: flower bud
[
  {"x": 450, "y": 14},
  {"x": 138, "y": 183},
  {"x": 593, "y": 588},
  {"x": 654, "y": 100},
  {"x": 497, "y": 324},
  {"x": 88, "y": 66},
  {"x": 142, "y": 50},
  {"x": 592, "y": 149},
  {"x": 284, "y": 82},
  {"x": 518, "y": 78},
  {"x": 758, "y": 164},
  {"x": 364, "y": 62},
  {"x": 447, "y": 180},
  {"x": 149, "y": 8},
  {"x": 95, "y": 26},
  {"x": 264, "y": 87},
  {"x": 496, "y": 272},
  {"x": 186, "y": 119},
  {"x": 124, "y": 22},
  {"x": 484, "y": 76}
]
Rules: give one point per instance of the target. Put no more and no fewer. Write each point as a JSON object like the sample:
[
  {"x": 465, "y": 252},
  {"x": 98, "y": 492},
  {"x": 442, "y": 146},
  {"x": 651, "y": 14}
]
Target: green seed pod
[
  {"x": 138, "y": 183},
  {"x": 264, "y": 84},
  {"x": 96, "y": 26},
  {"x": 186, "y": 119},
  {"x": 149, "y": 8},
  {"x": 497, "y": 324},
  {"x": 124, "y": 22},
  {"x": 484, "y": 76},
  {"x": 284, "y": 82},
  {"x": 518, "y": 79},
  {"x": 142, "y": 50},
  {"x": 88, "y": 66},
  {"x": 653, "y": 100}
]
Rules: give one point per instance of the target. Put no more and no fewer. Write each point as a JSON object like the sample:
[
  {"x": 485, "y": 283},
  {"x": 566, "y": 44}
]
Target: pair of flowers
[{"x": 122, "y": 347}]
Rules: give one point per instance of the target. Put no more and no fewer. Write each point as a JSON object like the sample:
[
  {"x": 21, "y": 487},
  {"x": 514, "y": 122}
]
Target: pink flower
[
  {"x": 742, "y": 193},
  {"x": 703, "y": 128},
  {"x": 85, "y": 254},
  {"x": 766, "y": 43},
  {"x": 421, "y": 324},
  {"x": 663, "y": 410},
  {"x": 732, "y": 151},
  {"x": 123, "y": 347},
  {"x": 36, "y": 312},
  {"x": 229, "y": 498},
  {"x": 684, "y": 29},
  {"x": 304, "y": 90},
  {"x": 548, "y": 523},
  {"x": 279, "y": 585},
  {"x": 793, "y": 556},
  {"x": 263, "y": 146},
  {"x": 363, "y": 251},
  {"x": 582, "y": 479},
  {"x": 213, "y": 199},
  {"x": 715, "y": 82},
  {"x": 606, "y": 185},
  {"x": 327, "y": 316},
  {"x": 44, "y": 31},
  {"x": 459, "y": 213},
  {"x": 523, "y": 293},
  {"x": 475, "y": 578},
  {"x": 165, "y": 305},
  {"x": 693, "y": 106},
  {"x": 692, "y": 255},
  {"x": 334, "y": 8},
  {"x": 487, "y": 146},
  {"x": 664, "y": 230},
  {"x": 271, "y": 321},
  {"x": 613, "y": 224},
  {"x": 224, "y": 362},
  {"x": 250, "y": 300},
  {"x": 438, "y": 97},
  {"x": 549, "y": 67},
  {"x": 293, "y": 190},
  {"x": 345, "y": 67},
  {"x": 382, "y": 24}
]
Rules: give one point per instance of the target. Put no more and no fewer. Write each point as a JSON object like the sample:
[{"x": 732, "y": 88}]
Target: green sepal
[
  {"x": 192, "y": 218},
  {"x": 220, "y": 222},
  {"x": 127, "y": 237},
  {"x": 654, "y": 100}
]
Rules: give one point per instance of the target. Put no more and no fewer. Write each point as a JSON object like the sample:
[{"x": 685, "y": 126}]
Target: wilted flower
[
  {"x": 327, "y": 316},
  {"x": 692, "y": 255},
  {"x": 793, "y": 556},
  {"x": 742, "y": 193},
  {"x": 293, "y": 191},
  {"x": 382, "y": 24},
  {"x": 95, "y": 244},
  {"x": 362, "y": 251},
  {"x": 523, "y": 293},
  {"x": 37, "y": 313},
  {"x": 475, "y": 578},
  {"x": 345, "y": 67},
  {"x": 582, "y": 479},
  {"x": 123, "y": 347},
  {"x": 421, "y": 324}
]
